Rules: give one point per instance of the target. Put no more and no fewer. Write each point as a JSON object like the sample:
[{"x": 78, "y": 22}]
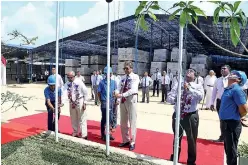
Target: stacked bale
[
  {"x": 159, "y": 60},
  {"x": 201, "y": 63}
]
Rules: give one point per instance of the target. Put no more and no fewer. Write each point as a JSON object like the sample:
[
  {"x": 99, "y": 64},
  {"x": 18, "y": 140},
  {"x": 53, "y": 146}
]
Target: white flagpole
[
  {"x": 178, "y": 106},
  {"x": 57, "y": 70},
  {"x": 108, "y": 82}
]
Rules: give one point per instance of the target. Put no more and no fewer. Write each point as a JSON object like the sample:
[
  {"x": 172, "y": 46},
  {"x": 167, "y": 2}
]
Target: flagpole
[
  {"x": 178, "y": 103},
  {"x": 108, "y": 79},
  {"x": 57, "y": 69}
]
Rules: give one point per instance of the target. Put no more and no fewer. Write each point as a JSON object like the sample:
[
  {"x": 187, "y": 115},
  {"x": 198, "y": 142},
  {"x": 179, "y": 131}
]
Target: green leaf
[
  {"x": 189, "y": 19},
  {"x": 192, "y": 12},
  {"x": 183, "y": 19},
  {"x": 182, "y": 4},
  {"x": 242, "y": 17},
  {"x": 230, "y": 6},
  {"x": 235, "y": 31},
  {"x": 236, "y": 5},
  {"x": 139, "y": 9},
  {"x": 198, "y": 10},
  {"x": 216, "y": 15},
  {"x": 153, "y": 16},
  {"x": 155, "y": 7},
  {"x": 143, "y": 24},
  {"x": 190, "y": 2},
  {"x": 143, "y": 3},
  {"x": 172, "y": 16}
]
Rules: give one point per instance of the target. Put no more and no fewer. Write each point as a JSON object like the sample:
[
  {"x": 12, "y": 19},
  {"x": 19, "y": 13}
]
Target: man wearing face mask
[
  {"x": 127, "y": 94},
  {"x": 192, "y": 94},
  {"x": 49, "y": 93},
  {"x": 77, "y": 95},
  {"x": 219, "y": 86},
  {"x": 233, "y": 107}
]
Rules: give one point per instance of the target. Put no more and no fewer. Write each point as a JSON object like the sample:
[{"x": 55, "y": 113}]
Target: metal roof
[{"x": 161, "y": 34}]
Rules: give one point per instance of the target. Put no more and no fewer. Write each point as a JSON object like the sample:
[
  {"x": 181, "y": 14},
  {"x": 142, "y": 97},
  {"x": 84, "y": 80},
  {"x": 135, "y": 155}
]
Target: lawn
[{"x": 38, "y": 150}]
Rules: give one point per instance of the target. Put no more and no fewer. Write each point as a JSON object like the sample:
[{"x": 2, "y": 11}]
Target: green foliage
[
  {"x": 15, "y": 99},
  {"x": 243, "y": 150},
  {"x": 188, "y": 14},
  {"x": 234, "y": 19}
]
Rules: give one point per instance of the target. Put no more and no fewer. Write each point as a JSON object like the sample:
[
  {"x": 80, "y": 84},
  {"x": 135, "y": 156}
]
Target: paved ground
[{"x": 153, "y": 116}]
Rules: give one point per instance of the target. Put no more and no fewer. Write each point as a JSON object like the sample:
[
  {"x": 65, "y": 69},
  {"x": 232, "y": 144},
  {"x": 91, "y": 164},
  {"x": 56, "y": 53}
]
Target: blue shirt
[
  {"x": 102, "y": 89},
  {"x": 232, "y": 97},
  {"x": 51, "y": 94}
]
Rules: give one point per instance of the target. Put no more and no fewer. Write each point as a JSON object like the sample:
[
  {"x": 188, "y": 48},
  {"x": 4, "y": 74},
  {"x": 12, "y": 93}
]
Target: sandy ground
[{"x": 153, "y": 116}]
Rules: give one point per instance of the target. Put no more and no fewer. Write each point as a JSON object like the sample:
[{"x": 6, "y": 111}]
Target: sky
[{"x": 39, "y": 18}]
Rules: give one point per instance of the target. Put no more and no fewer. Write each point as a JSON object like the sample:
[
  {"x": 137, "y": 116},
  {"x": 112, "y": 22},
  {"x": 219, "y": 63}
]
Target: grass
[{"x": 37, "y": 150}]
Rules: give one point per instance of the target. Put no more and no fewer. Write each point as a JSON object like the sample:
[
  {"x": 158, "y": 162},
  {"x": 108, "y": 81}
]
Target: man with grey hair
[
  {"x": 127, "y": 96},
  {"x": 77, "y": 95},
  {"x": 208, "y": 87}
]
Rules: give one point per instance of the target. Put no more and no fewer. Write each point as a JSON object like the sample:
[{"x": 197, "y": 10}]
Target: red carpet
[
  {"x": 150, "y": 143},
  {"x": 15, "y": 131}
]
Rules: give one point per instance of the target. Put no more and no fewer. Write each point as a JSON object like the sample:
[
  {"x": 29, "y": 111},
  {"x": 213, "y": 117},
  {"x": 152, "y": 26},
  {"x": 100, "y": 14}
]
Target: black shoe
[
  {"x": 85, "y": 138},
  {"x": 172, "y": 157},
  {"x": 110, "y": 138},
  {"x": 131, "y": 147},
  {"x": 220, "y": 140},
  {"x": 124, "y": 144}
]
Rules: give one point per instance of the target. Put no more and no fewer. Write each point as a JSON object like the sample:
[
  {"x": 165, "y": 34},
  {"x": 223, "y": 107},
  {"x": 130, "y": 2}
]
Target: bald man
[{"x": 77, "y": 95}]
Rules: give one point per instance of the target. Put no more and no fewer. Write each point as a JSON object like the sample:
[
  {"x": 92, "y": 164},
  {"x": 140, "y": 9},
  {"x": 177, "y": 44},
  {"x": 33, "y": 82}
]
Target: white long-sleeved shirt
[
  {"x": 117, "y": 80},
  {"x": 77, "y": 88},
  {"x": 199, "y": 80},
  {"x": 218, "y": 90},
  {"x": 146, "y": 81},
  {"x": 209, "y": 81},
  {"x": 132, "y": 85},
  {"x": 95, "y": 79},
  {"x": 165, "y": 80},
  {"x": 81, "y": 78},
  {"x": 156, "y": 76}
]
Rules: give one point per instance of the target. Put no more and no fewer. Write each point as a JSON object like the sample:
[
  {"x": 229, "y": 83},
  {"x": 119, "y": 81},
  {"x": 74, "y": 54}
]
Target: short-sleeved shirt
[
  {"x": 232, "y": 97},
  {"x": 51, "y": 94},
  {"x": 102, "y": 89}
]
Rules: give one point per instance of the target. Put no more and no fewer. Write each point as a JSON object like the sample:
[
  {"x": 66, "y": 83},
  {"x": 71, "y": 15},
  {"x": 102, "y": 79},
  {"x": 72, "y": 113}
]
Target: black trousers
[
  {"x": 164, "y": 89},
  {"x": 51, "y": 118},
  {"x": 156, "y": 86},
  {"x": 232, "y": 133},
  {"x": 218, "y": 102},
  {"x": 189, "y": 124},
  {"x": 104, "y": 120}
]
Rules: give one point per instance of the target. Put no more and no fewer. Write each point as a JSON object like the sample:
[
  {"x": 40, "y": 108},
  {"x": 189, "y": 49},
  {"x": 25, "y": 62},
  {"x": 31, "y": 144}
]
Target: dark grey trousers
[
  {"x": 222, "y": 127},
  {"x": 189, "y": 124}
]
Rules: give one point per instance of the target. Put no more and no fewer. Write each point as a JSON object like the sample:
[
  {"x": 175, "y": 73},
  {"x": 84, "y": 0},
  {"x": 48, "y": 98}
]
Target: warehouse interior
[{"x": 157, "y": 47}]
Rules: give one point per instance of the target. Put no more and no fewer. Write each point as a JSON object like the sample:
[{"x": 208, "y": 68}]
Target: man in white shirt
[
  {"x": 77, "y": 95},
  {"x": 171, "y": 78},
  {"x": 208, "y": 87},
  {"x": 79, "y": 76},
  {"x": 199, "y": 79},
  {"x": 92, "y": 89},
  {"x": 61, "y": 83},
  {"x": 165, "y": 85},
  {"x": 96, "y": 80},
  {"x": 127, "y": 92},
  {"x": 219, "y": 86},
  {"x": 146, "y": 83},
  {"x": 156, "y": 79}
]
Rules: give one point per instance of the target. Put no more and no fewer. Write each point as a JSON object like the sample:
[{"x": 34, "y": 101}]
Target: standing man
[
  {"x": 80, "y": 77},
  {"x": 117, "y": 80},
  {"x": 208, "y": 87},
  {"x": 61, "y": 83},
  {"x": 233, "y": 107},
  {"x": 96, "y": 80},
  {"x": 46, "y": 75},
  {"x": 102, "y": 94},
  {"x": 77, "y": 95},
  {"x": 218, "y": 90},
  {"x": 92, "y": 85},
  {"x": 156, "y": 79},
  {"x": 165, "y": 86},
  {"x": 146, "y": 82},
  {"x": 199, "y": 79},
  {"x": 171, "y": 78},
  {"x": 49, "y": 93},
  {"x": 128, "y": 107},
  {"x": 189, "y": 122}
]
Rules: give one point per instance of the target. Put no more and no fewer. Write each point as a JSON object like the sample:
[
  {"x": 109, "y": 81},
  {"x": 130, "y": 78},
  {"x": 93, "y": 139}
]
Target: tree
[{"x": 188, "y": 14}]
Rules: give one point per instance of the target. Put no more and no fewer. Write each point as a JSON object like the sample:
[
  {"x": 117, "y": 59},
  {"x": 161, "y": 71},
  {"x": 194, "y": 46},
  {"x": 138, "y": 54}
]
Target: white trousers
[
  {"x": 128, "y": 114},
  {"x": 79, "y": 119},
  {"x": 209, "y": 96}
]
